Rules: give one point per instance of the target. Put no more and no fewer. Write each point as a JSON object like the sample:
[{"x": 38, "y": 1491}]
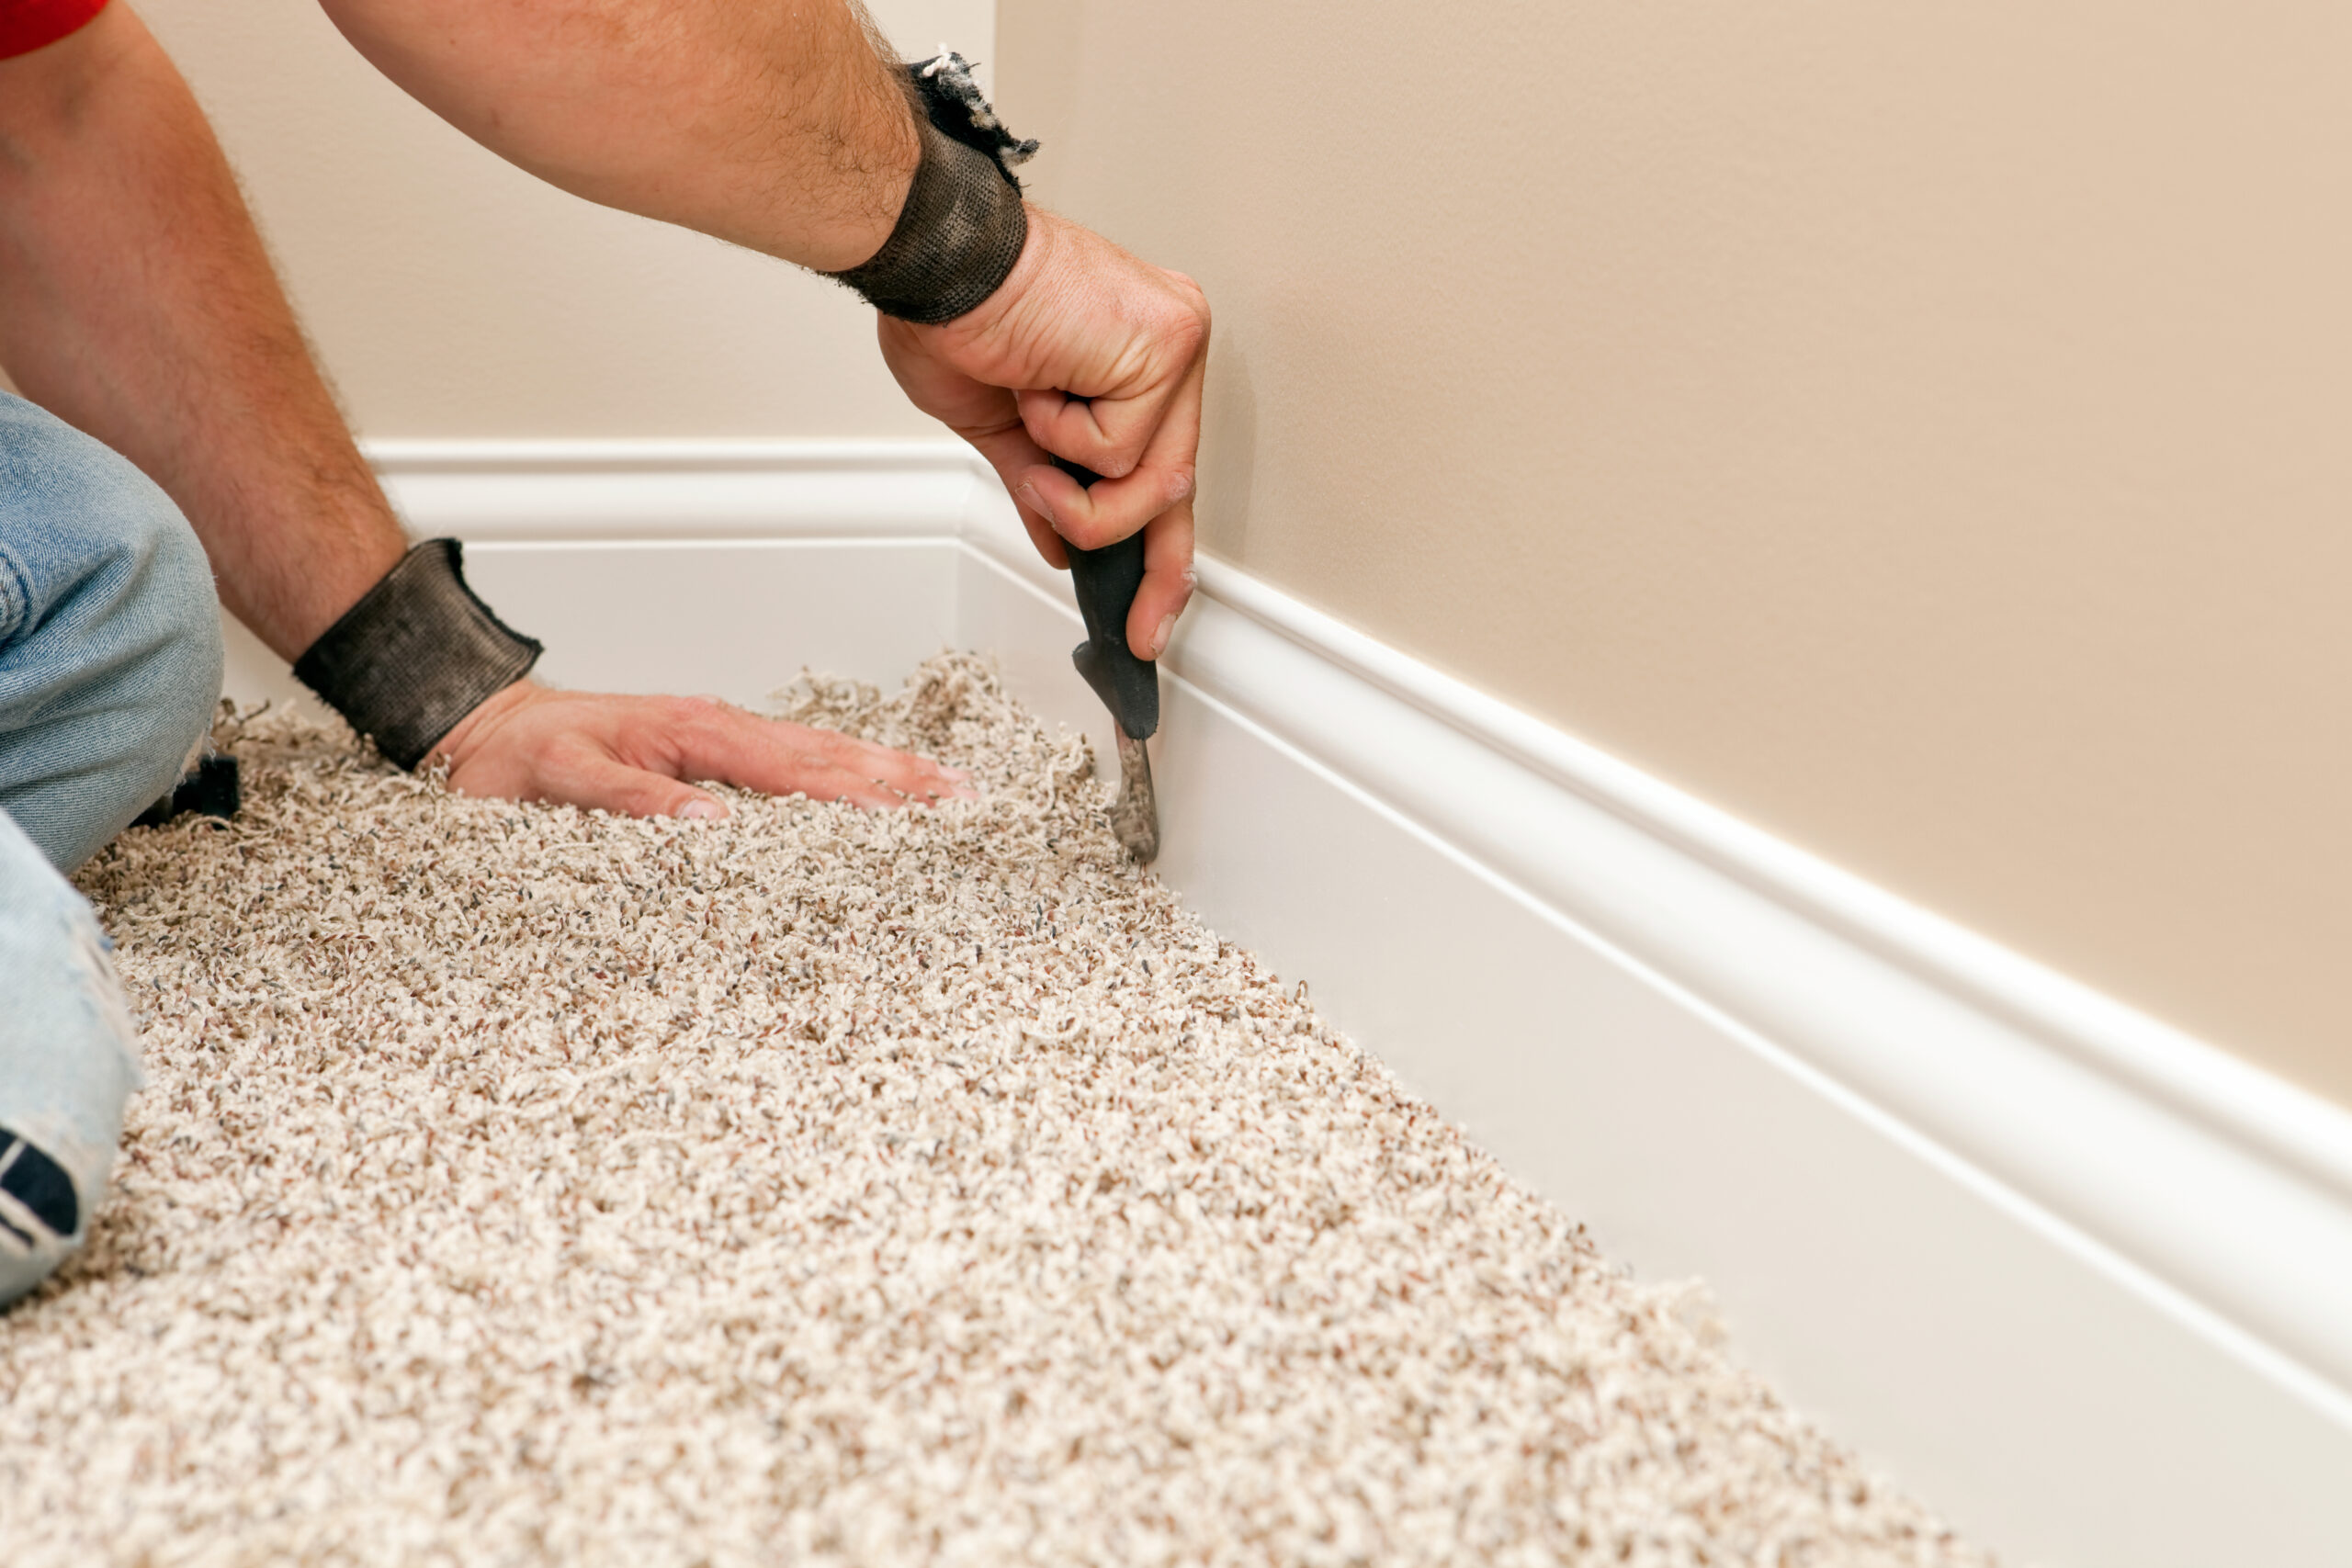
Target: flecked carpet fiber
[{"x": 516, "y": 1185}]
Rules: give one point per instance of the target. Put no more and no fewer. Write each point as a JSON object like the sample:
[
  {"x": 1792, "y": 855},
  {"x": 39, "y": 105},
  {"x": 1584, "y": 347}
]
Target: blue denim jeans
[{"x": 109, "y": 668}]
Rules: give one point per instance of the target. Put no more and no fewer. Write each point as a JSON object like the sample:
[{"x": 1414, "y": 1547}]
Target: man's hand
[
  {"x": 634, "y": 755},
  {"x": 780, "y": 128},
  {"x": 1090, "y": 353}
]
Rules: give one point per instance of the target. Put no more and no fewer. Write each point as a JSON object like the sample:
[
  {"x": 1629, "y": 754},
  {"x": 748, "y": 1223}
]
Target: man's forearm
[
  {"x": 137, "y": 302},
  {"x": 775, "y": 126}
]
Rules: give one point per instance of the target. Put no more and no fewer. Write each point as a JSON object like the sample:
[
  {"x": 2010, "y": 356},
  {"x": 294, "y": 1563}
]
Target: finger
[
  {"x": 776, "y": 757},
  {"x": 1091, "y": 516},
  {"x": 1041, "y": 534},
  {"x": 1108, "y": 424},
  {"x": 593, "y": 780},
  {"x": 1103, "y": 513},
  {"x": 903, "y": 772},
  {"x": 1078, "y": 427},
  {"x": 827, "y": 766},
  {"x": 1012, "y": 454},
  {"x": 1168, "y": 582},
  {"x": 1107, "y": 434},
  {"x": 984, "y": 415}
]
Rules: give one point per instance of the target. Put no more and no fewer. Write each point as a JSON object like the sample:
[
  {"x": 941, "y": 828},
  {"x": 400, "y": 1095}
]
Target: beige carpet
[{"x": 515, "y": 1185}]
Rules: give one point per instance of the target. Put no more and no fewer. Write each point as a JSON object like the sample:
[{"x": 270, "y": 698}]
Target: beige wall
[
  {"x": 454, "y": 296},
  {"x": 1921, "y": 431}
]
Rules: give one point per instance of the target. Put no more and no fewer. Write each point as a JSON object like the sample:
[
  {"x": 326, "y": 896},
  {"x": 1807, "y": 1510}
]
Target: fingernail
[
  {"x": 1181, "y": 488},
  {"x": 1028, "y": 496},
  {"x": 703, "y": 809},
  {"x": 1160, "y": 638}
]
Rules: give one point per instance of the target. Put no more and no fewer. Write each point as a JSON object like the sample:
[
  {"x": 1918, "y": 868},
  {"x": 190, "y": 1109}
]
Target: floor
[{"x": 517, "y": 1185}]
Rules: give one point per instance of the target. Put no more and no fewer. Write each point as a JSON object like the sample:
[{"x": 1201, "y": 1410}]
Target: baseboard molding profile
[
  {"x": 2081, "y": 1280},
  {"x": 522, "y": 491}
]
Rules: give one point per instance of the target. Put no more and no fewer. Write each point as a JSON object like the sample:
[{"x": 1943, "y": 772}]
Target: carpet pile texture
[{"x": 519, "y": 1185}]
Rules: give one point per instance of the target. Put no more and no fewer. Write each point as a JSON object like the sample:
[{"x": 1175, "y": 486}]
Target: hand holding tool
[{"x": 1106, "y": 580}]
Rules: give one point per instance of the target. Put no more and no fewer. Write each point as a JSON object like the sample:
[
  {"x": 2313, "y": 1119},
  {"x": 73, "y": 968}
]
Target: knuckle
[
  {"x": 1188, "y": 332},
  {"x": 1189, "y": 290},
  {"x": 692, "y": 713}
]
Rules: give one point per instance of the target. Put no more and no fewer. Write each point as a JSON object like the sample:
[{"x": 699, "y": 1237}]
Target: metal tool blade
[{"x": 1135, "y": 815}]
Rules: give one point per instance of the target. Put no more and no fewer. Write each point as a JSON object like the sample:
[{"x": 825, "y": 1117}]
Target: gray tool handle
[{"x": 1106, "y": 580}]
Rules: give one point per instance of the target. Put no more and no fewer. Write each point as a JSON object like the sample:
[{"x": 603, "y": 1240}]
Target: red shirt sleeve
[{"x": 29, "y": 25}]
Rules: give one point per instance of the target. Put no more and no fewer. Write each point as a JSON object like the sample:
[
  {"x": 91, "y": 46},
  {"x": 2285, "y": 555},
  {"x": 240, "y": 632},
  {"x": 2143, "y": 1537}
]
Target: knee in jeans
[
  {"x": 177, "y": 593},
  {"x": 155, "y": 591},
  {"x": 110, "y": 652}
]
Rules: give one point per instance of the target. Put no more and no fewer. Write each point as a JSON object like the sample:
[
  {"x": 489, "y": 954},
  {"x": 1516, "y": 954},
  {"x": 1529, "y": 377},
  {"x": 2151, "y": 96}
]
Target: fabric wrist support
[
  {"x": 963, "y": 225},
  {"x": 415, "y": 655}
]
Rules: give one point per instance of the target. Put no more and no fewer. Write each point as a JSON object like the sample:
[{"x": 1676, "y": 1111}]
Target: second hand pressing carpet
[{"x": 519, "y": 1185}]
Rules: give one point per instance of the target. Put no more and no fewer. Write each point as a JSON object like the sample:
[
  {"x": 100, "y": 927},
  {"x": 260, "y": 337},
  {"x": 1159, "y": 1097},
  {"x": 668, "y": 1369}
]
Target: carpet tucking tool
[{"x": 1106, "y": 580}]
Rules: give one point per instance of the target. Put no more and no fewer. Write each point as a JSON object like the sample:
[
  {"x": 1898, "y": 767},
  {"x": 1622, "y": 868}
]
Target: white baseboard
[
  {"x": 835, "y": 553},
  {"x": 2081, "y": 1282}
]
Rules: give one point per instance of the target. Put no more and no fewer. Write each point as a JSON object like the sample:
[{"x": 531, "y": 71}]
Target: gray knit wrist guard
[
  {"x": 963, "y": 226},
  {"x": 415, "y": 655}
]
